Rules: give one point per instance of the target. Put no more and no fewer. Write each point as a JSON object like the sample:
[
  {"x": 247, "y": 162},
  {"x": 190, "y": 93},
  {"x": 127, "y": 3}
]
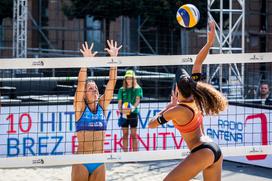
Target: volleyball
[
  {"x": 120, "y": 113},
  {"x": 127, "y": 105},
  {"x": 188, "y": 15}
]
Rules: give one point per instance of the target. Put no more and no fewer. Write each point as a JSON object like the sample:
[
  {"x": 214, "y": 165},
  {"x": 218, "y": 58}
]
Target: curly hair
[{"x": 208, "y": 99}]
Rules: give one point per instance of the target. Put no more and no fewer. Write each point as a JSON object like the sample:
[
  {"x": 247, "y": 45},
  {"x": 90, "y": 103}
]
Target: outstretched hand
[
  {"x": 211, "y": 33},
  {"x": 113, "y": 50},
  {"x": 86, "y": 51}
]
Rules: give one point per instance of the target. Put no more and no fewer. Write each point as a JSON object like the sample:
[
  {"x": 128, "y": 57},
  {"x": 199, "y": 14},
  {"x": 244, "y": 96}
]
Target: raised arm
[
  {"x": 201, "y": 56},
  {"x": 166, "y": 114},
  {"x": 82, "y": 77},
  {"x": 197, "y": 68},
  {"x": 108, "y": 94}
]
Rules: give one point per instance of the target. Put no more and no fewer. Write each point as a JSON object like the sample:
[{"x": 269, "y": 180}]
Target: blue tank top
[{"x": 92, "y": 121}]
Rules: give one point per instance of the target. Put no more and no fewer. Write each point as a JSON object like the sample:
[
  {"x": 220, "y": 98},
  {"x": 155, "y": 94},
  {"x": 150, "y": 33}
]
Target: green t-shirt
[{"x": 129, "y": 95}]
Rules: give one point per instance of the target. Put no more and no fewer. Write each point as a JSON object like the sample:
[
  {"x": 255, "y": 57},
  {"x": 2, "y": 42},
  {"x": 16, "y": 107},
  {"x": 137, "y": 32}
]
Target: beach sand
[
  {"x": 141, "y": 171},
  {"x": 151, "y": 171}
]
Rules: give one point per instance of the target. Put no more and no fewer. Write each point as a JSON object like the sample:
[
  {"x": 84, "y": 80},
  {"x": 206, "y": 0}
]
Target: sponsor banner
[{"x": 50, "y": 130}]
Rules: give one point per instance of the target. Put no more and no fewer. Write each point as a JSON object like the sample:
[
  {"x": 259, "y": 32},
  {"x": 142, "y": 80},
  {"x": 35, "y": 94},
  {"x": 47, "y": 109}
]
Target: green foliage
[
  {"x": 159, "y": 16},
  {"x": 6, "y": 7},
  {"x": 163, "y": 12},
  {"x": 102, "y": 9},
  {"x": 159, "y": 12}
]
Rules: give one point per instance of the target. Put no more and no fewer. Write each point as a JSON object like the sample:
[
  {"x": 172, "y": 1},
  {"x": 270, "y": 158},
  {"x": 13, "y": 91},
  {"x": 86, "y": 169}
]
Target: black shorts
[
  {"x": 212, "y": 146},
  {"x": 132, "y": 121}
]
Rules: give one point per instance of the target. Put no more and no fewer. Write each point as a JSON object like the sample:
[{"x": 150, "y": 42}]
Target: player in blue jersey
[{"x": 90, "y": 110}]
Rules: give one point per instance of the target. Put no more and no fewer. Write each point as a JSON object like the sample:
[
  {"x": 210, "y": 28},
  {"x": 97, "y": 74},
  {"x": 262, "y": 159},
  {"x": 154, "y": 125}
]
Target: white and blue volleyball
[{"x": 188, "y": 15}]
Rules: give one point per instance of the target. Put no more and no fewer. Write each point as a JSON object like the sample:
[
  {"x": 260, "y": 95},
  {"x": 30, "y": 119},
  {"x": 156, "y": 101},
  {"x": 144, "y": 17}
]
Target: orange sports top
[{"x": 194, "y": 123}]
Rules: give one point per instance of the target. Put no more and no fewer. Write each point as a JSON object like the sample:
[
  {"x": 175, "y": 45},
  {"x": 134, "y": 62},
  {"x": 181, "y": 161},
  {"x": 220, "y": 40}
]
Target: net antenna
[{"x": 230, "y": 38}]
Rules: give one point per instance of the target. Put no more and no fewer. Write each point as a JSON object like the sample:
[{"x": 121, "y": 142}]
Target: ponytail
[{"x": 208, "y": 99}]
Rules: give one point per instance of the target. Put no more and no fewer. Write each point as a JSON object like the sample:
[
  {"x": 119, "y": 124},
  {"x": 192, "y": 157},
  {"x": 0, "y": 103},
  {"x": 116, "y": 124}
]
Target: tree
[
  {"x": 6, "y": 7},
  {"x": 161, "y": 15},
  {"x": 107, "y": 10},
  {"x": 163, "y": 12}
]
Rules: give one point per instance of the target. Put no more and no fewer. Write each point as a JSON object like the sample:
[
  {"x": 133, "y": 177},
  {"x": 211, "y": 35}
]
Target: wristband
[
  {"x": 196, "y": 76},
  {"x": 161, "y": 120}
]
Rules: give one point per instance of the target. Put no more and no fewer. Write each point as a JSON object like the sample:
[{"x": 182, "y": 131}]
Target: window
[{"x": 94, "y": 33}]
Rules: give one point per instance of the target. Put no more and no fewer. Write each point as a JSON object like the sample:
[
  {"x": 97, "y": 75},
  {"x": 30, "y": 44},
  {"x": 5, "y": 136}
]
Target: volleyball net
[{"x": 37, "y": 125}]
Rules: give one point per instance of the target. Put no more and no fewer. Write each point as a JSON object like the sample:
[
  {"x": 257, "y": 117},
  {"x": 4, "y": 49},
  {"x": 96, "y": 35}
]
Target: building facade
[{"x": 51, "y": 33}]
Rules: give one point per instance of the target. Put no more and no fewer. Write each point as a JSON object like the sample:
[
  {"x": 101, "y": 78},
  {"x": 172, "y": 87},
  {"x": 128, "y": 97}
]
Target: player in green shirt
[{"x": 129, "y": 96}]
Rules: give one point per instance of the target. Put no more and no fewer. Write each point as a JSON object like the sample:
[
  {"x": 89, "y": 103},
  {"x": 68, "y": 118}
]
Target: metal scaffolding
[
  {"x": 20, "y": 28},
  {"x": 230, "y": 36}
]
